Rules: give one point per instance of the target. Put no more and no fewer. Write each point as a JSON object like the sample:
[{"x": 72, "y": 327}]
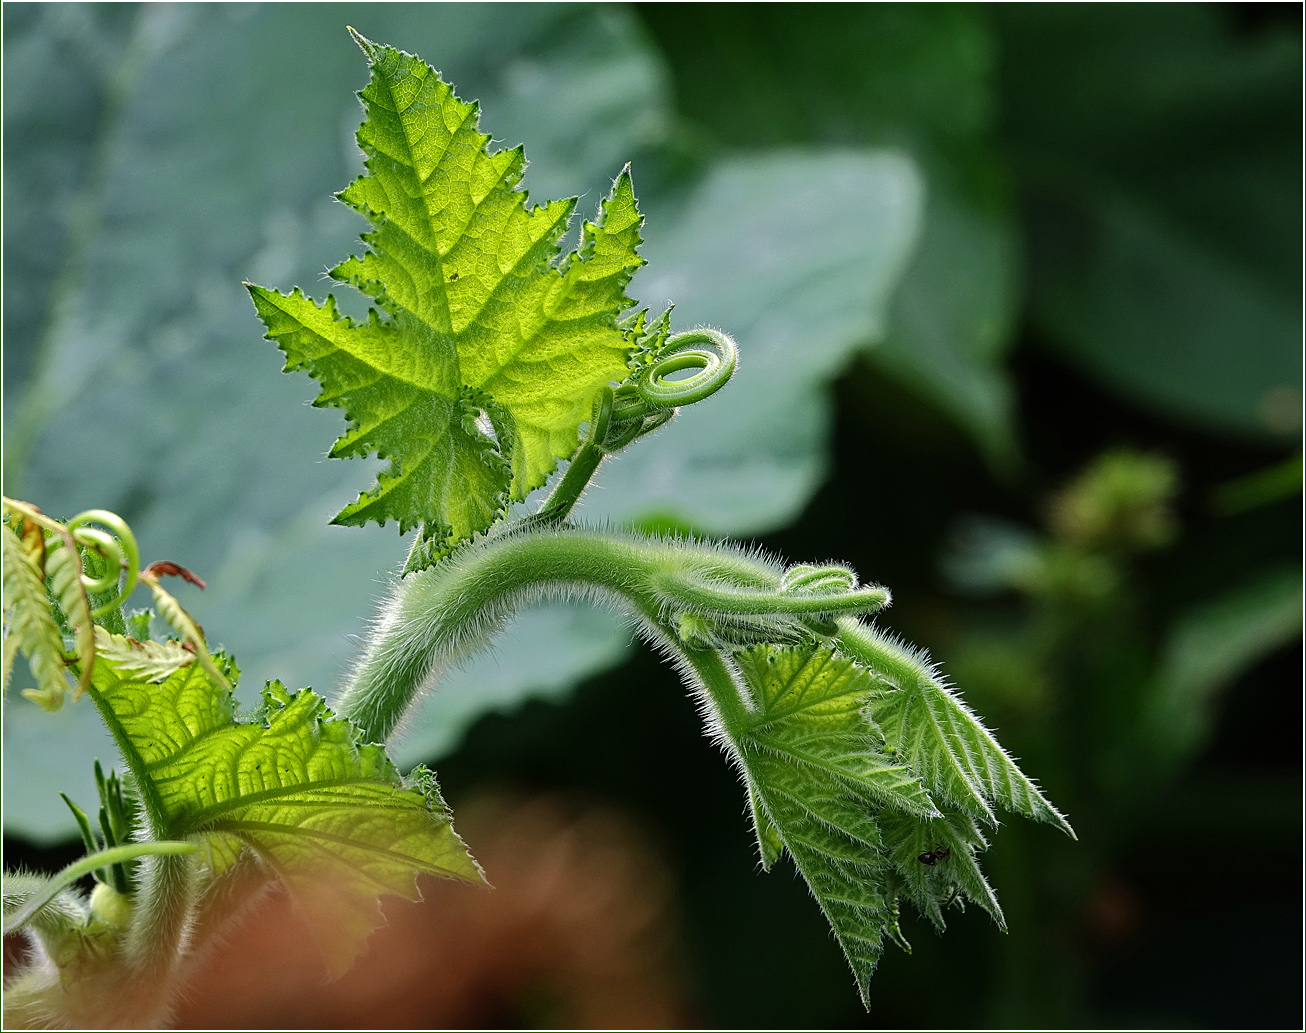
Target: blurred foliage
[
  {"x": 750, "y": 78},
  {"x": 1050, "y": 258},
  {"x": 577, "y": 934},
  {"x": 1162, "y": 167}
]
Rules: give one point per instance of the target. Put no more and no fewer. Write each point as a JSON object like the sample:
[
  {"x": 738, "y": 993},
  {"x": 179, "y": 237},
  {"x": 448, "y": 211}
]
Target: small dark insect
[
  {"x": 927, "y": 858},
  {"x": 452, "y": 277},
  {"x": 932, "y": 857}
]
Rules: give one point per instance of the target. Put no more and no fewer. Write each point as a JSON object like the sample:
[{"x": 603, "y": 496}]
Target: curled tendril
[
  {"x": 653, "y": 391},
  {"x": 634, "y": 409},
  {"x": 107, "y": 546},
  {"x": 117, "y": 545}
]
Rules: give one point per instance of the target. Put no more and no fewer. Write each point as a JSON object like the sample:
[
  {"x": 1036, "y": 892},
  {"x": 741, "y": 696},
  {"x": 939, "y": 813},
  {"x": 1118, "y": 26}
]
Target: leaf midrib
[
  {"x": 235, "y": 828},
  {"x": 200, "y": 819}
]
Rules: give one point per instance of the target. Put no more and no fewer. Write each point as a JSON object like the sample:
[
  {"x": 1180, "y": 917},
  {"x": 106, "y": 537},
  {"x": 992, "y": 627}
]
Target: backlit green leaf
[
  {"x": 491, "y": 350},
  {"x": 326, "y": 813}
]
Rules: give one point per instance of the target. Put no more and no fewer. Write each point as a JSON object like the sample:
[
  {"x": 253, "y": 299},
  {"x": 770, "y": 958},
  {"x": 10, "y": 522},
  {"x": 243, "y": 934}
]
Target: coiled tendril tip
[
  {"x": 651, "y": 388},
  {"x": 118, "y": 547}
]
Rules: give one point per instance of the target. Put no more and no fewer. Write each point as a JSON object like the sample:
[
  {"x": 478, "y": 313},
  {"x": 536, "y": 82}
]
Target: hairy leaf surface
[
  {"x": 294, "y": 786},
  {"x": 488, "y": 352},
  {"x": 817, "y": 778},
  {"x": 956, "y": 756},
  {"x": 949, "y": 870},
  {"x": 147, "y": 661}
]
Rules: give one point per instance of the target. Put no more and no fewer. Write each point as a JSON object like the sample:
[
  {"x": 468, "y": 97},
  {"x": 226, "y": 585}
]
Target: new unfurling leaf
[
  {"x": 819, "y": 779},
  {"x": 31, "y": 627},
  {"x": 149, "y": 661},
  {"x": 931, "y": 729}
]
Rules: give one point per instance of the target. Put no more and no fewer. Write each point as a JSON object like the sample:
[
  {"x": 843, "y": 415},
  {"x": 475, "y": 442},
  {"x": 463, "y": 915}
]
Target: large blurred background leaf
[{"x": 756, "y": 77}]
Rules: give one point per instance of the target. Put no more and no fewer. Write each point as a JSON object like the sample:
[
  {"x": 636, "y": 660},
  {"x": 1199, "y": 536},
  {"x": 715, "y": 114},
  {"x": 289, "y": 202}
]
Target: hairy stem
[
  {"x": 882, "y": 653},
  {"x": 84, "y": 866},
  {"x": 441, "y": 616},
  {"x": 164, "y": 904},
  {"x": 728, "y": 701},
  {"x": 162, "y": 915},
  {"x": 580, "y": 470}
]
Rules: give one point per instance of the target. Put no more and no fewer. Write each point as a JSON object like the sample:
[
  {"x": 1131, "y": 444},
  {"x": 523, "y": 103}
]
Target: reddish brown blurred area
[{"x": 578, "y": 932}]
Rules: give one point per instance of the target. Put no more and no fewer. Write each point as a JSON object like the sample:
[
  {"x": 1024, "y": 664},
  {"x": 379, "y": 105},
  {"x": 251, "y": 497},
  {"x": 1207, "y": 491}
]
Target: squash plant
[{"x": 489, "y": 359}]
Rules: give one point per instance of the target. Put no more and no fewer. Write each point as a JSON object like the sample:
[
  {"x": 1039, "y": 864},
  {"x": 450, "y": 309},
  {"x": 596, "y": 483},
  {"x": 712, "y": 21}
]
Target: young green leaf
[
  {"x": 927, "y": 726},
  {"x": 31, "y": 627},
  {"x": 817, "y": 779},
  {"x": 148, "y": 661},
  {"x": 191, "y": 632},
  {"x": 956, "y": 756},
  {"x": 935, "y": 863},
  {"x": 810, "y": 720},
  {"x": 63, "y": 566},
  {"x": 329, "y": 815},
  {"x": 491, "y": 352}
]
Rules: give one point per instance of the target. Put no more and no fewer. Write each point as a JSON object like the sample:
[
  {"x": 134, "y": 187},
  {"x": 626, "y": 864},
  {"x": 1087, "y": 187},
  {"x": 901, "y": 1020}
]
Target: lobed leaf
[
  {"x": 810, "y": 720},
  {"x": 488, "y": 351},
  {"x": 817, "y": 778},
  {"x": 329, "y": 815}
]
